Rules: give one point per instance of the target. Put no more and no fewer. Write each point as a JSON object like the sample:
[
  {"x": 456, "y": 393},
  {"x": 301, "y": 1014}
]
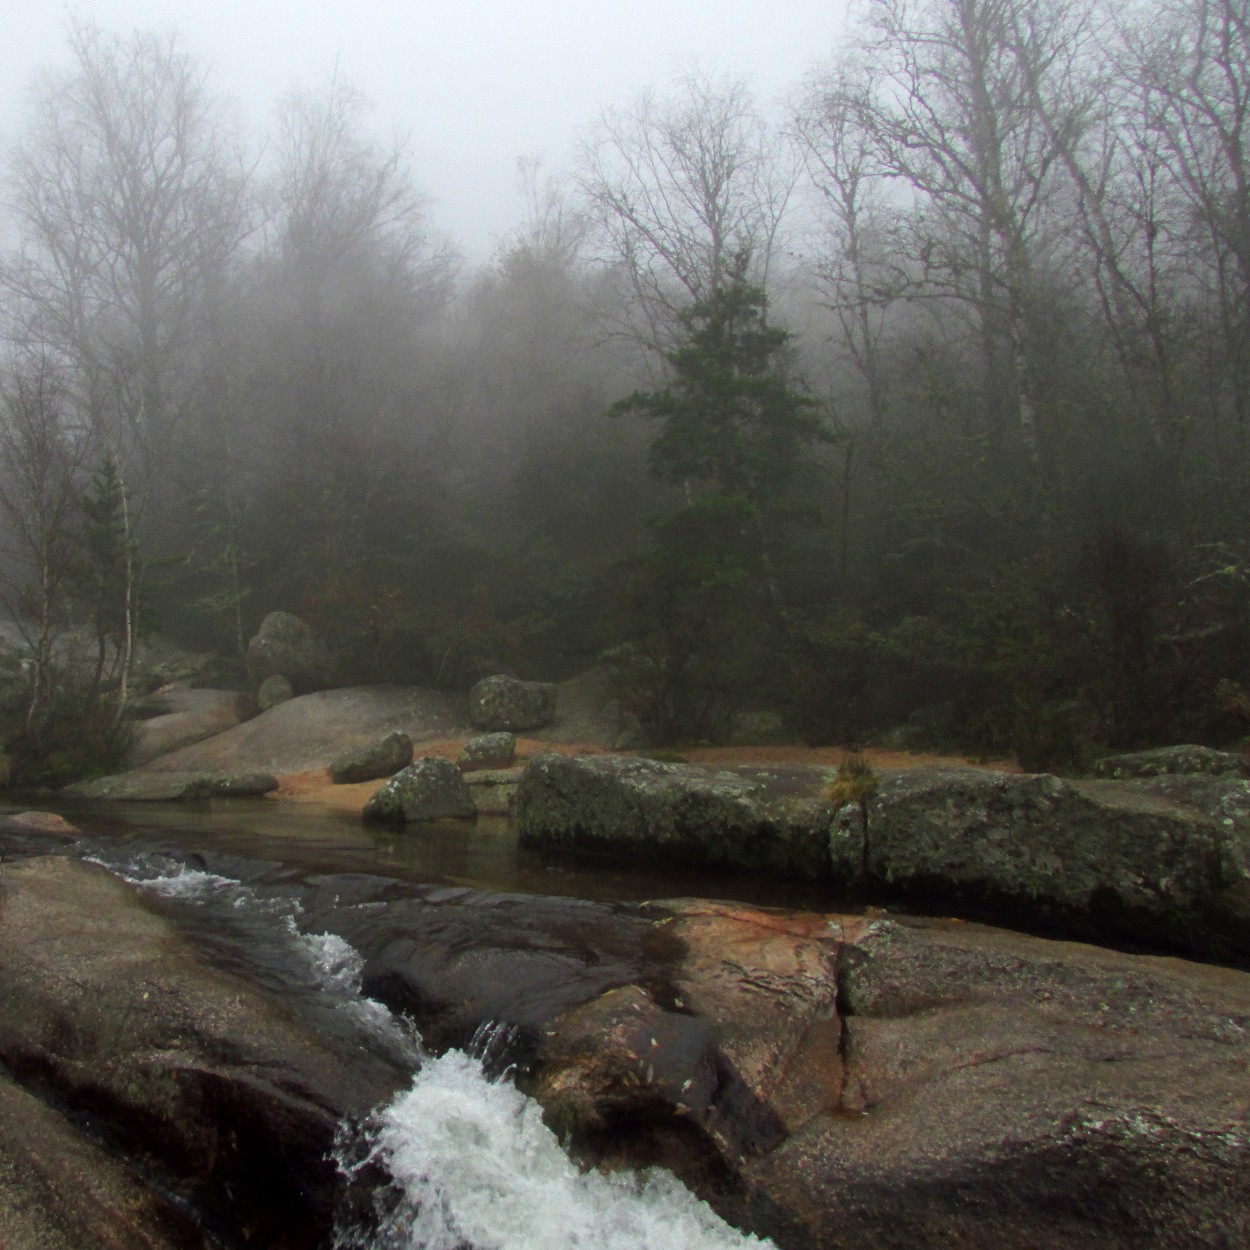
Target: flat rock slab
[
  {"x": 311, "y": 731},
  {"x": 839, "y": 1082},
  {"x": 141, "y": 787},
  {"x": 193, "y": 715}
]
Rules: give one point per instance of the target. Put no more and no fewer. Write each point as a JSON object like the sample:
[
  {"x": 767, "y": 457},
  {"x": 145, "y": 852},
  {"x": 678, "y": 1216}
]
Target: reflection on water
[{"x": 482, "y": 854}]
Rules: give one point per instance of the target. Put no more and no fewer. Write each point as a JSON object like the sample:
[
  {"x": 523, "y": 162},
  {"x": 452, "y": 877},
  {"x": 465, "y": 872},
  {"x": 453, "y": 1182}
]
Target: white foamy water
[
  {"x": 176, "y": 882},
  {"x": 476, "y": 1166},
  {"x": 339, "y": 968}
]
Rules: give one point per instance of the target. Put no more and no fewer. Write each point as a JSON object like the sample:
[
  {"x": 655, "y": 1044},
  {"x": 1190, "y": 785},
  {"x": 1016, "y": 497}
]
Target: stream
[{"x": 465, "y": 1159}]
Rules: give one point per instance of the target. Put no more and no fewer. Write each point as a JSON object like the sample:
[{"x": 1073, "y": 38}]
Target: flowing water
[{"x": 466, "y": 1160}]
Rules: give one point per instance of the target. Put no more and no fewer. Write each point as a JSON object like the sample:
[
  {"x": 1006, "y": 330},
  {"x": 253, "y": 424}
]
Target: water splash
[
  {"x": 474, "y": 1166},
  {"x": 327, "y": 965}
]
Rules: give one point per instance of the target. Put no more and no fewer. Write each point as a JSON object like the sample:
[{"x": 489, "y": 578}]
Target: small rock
[
  {"x": 140, "y": 787},
  {"x": 274, "y": 690},
  {"x": 40, "y": 822},
  {"x": 500, "y": 702},
  {"x": 497, "y": 750},
  {"x": 285, "y": 645},
  {"x": 431, "y": 788},
  {"x": 382, "y": 758}
]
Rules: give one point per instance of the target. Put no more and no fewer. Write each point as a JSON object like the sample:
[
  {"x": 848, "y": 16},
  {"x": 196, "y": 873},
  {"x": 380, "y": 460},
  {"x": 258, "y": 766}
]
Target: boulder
[
  {"x": 227, "y": 1104},
  {"x": 497, "y": 750},
  {"x": 156, "y": 787},
  {"x": 504, "y": 703},
  {"x": 1108, "y": 857},
  {"x": 274, "y": 690},
  {"x": 678, "y": 812},
  {"x": 382, "y": 758},
  {"x": 285, "y": 646},
  {"x": 431, "y": 788},
  {"x": 1165, "y": 761}
]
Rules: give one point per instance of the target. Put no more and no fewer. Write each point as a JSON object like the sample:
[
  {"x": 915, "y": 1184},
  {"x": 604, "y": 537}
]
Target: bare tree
[
  {"x": 129, "y": 196},
  {"x": 860, "y": 267},
  {"x": 1189, "y": 70},
  {"x": 680, "y": 185},
  {"x": 955, "y": 123}
]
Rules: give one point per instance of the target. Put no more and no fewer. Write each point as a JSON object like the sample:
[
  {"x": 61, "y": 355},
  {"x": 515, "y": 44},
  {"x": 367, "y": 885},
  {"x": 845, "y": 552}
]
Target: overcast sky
[{"x": 475, "y": 83}]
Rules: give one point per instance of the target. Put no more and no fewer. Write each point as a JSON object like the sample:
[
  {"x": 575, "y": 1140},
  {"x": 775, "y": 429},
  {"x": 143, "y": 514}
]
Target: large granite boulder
[
  {"x": 227, "y": 1104},
  {"x": 381, "y": 758},
  {"x": 1166, "y": 761},
  {"x": 1129, "y": 858},
  {"x": 286, "y": 646},
  {"x": 835, "y": 1082},
  {"x": 504, "y": 703},
  {"x": 431, "y": 788},
  {"x": 497, "y": 750},
  {"x": 678, "y": 812}
]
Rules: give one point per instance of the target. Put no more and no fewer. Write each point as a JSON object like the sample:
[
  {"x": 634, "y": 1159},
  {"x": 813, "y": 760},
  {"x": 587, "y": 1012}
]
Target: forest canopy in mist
[{"x": 917, "y": 413}]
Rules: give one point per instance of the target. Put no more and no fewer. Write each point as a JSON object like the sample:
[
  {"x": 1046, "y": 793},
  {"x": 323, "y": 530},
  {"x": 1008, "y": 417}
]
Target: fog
[
  {"x": 898, "y": 395},
  {"x": 474, "y": 84}
]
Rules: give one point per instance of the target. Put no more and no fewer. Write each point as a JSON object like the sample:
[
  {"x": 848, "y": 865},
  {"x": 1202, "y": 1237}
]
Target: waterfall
[
  {"x": 461, "y": 1158},
  {"x": 474, "y": 1165}
]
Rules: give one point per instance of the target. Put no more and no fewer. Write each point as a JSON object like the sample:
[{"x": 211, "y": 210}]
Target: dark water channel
[{"x": 483, "y": 855}]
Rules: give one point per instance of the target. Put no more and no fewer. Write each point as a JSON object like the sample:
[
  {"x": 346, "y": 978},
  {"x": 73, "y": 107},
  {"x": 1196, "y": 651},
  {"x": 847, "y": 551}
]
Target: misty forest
[{"x": 916, "y": 412}]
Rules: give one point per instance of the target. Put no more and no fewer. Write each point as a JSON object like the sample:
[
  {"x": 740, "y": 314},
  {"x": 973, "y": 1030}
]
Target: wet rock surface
[
  {"x": 849, "y": 1083},
  {"x": 831, "y": 1081},
  {"x": 216, "y": 1093},
  {"x": 454, "y": 959},
  {"x": 59, "y": 1190}
]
